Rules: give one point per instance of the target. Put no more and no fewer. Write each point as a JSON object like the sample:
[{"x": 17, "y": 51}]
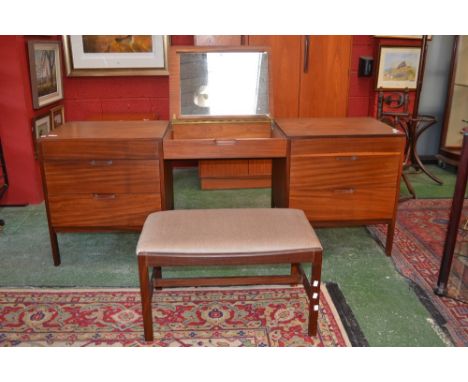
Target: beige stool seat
[{"x": 228, "y": 237}]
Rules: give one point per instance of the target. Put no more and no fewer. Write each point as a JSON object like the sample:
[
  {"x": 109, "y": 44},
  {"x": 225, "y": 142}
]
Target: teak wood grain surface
[
  {"x": 101, "y": 176},
  {"x": 344, "y": 171},
  {"x": 340, "y": 171}
]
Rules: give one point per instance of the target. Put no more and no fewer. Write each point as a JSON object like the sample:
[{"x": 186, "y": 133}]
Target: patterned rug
[
  {"x": 273, "y": 316},
  {"x": 417, "y": 252}
]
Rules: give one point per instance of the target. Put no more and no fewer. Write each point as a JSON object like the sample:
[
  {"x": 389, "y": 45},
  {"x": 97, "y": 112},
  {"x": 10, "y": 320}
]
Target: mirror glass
[{"x": 224, "y": 83}]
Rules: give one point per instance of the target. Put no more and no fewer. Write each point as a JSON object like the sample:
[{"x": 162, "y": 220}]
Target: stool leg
[
  {"x": 316, "y": 275},
  {"x": 146, "y": 294}
]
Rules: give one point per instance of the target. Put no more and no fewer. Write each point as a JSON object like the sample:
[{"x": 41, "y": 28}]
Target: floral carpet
[
  {"x": 262, "y": 316},
  {"x": 417, "y": 252}
]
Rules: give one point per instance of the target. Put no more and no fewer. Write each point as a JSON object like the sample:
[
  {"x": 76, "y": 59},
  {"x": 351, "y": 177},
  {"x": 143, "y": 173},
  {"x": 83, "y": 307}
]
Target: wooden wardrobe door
[
  {"x": 285, "y": 63},
  {"x": 325, "y": 78}
]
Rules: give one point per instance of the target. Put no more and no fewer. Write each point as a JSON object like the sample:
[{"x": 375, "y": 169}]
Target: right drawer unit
[{"x": 345, "y": 179}]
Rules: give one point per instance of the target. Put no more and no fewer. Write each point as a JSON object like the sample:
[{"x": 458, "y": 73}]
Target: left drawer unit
[{"x": 101, "y": 176}]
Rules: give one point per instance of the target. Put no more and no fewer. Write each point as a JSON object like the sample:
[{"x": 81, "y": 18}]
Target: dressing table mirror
[
  {"x": 224, "y": 84},
  {"x": 221, "y": 103}
]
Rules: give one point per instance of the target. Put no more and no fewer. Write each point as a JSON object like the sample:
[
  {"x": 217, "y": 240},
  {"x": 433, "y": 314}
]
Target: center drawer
[{"x": 102, "y": 176}]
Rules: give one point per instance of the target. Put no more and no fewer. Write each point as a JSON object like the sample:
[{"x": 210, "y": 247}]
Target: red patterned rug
[
  {"x": 417, "y": 252},
  {"x": 273, "y": 316}
]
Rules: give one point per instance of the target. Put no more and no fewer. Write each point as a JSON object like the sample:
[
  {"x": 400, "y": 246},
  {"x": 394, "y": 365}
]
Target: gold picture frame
[
  {"x": 116, "y": 55},
  {"x": 57, "y": 117},
  {"x": 45, "y": 70}
]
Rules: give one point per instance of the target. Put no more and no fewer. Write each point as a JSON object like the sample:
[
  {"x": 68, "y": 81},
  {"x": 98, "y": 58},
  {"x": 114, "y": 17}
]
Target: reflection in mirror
[{"x": 224, "y": 83}]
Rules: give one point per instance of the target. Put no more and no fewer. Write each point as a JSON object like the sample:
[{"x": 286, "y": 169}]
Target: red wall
[
  {"x": 84, "y": 98},
  {"x": 362, "y": 95},
  {"x": 16, "y": 114},
  {"x": 88, "y": 98}
]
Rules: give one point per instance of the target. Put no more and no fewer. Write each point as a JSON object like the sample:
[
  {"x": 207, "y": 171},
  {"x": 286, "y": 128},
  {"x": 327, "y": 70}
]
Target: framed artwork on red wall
[
  {"x": 115, "y": 55},
  {"x": 57, "y": 116},
  {"x": 45, "y": 72},
  {"x": 398, "y": 67},
  {"x": 41, "y": 125}
]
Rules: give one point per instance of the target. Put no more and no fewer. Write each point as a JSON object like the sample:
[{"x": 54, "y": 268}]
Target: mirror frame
[{"x": 174, "y": 83}]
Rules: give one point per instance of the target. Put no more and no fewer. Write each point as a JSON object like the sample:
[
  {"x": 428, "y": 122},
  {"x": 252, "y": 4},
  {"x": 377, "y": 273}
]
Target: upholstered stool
[{"x": 228, "y": 237}]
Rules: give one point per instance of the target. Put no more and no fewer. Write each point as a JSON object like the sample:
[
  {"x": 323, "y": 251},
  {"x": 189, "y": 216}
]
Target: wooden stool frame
[{"x": 148, "y": 261}]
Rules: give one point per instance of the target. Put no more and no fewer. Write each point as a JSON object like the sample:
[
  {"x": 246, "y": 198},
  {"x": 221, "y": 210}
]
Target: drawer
[
  {"x": 349, "y": 171},
  {"x": 225, "y": 148},
  {"x": 313, "y": 147},
  {"x": 100, "y": 149},
  {"x": 102, "y": 176},
  {"x": 345, "y": 204},
  {"x": 102, "y": 210}
]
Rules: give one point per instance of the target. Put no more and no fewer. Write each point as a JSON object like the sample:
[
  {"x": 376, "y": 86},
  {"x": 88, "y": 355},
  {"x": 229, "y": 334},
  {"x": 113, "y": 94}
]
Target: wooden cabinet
[
  {"x": 456, "y": 111},
  {"x": 310, "y": 74},
  {"x": 101, "y": 176},
  {"x": 310, "y": 78},
  {"x": 344, "y": 171}
]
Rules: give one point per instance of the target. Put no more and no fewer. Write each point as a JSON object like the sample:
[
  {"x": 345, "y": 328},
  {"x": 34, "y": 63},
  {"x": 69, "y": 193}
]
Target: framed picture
[
  {"x": 40, "y": 127},
  {"x": 57, "y": 116},
  {"x": 398, "y": 67},
  {"x": 45, "y": 72},
  {"x": 116, "y": 55}
]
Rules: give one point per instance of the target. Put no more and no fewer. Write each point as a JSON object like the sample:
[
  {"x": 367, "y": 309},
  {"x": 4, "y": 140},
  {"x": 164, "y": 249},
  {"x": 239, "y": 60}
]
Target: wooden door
[
  {"x": 285, "y": 64},
  {"x": 324, "y": 76}
]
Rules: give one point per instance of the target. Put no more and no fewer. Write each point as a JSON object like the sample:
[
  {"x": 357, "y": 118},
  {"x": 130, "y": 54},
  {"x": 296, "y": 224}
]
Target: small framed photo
[
  {"x": 57, "y": 116},
  {"x": 40, "y": 127},
  {"x": 398, "y": 67},
  {"x": 45, "y": 72}
]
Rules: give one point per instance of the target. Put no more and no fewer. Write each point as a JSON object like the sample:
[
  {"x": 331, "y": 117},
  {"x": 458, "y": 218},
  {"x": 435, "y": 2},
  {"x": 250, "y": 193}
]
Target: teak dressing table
[{"x": 106, "y": 176}]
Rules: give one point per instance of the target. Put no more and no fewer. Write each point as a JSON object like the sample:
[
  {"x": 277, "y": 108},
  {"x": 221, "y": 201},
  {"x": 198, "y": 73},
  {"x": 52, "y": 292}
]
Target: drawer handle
[
  {"x": 104, "y": 196},
  {"x": 100, "y": 163},
  {"x": 225, "y": 142},
  {"x": 352, "y": 157},
  {"x": 344, "y": 191}
]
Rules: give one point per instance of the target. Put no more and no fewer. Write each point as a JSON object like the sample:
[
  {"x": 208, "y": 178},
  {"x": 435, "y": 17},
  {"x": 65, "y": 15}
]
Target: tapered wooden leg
[
  {"x": 146, "y": 294},
  {"x": 316, "y": 275},
  {"x": 54, "y": 246}
]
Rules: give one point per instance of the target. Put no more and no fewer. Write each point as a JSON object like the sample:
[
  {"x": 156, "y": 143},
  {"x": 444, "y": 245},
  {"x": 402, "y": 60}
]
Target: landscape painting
[
  {"x": 398, "y": 67},
  {"x": 46, "y": 73},
  {"x": 117, "y": 44},
  {"x": 46, "y": 79},
  {"x": 116, "y": 55}
]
